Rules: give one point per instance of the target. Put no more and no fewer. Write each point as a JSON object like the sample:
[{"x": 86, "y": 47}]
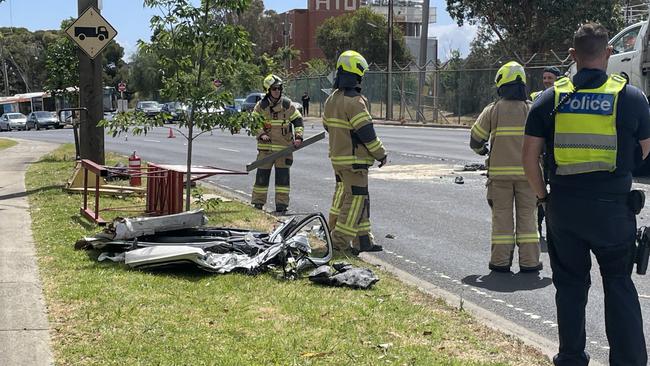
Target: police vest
[
  {"x": 536, "y": 94},
  {"x": 585, "y": 127}
]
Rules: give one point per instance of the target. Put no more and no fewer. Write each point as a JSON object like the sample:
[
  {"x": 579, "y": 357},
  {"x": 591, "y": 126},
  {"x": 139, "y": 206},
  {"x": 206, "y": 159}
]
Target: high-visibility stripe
[
  {"x": 354, "y": 210},
  {"x": 299, "y": 130},
  {"x": 528, "y": 238},
  {"x": 277, "y": 122},
  {"x": 503, "y": 236},
  {"x": 480, "y": 132},
  {"x": 349, "y": 160},
  {"x": 509, "y": 131},
  {"x": 359, "y": 118},
  {"x": 282, "y": 189},
  {"x": 503, "y": 241},
  {"x": 334, "y": 211},
  {"x": 338, "y": 195},
  {"x": 271, "y": 147},
  {"x": 374, "y": 145},
  {"x": 260, "y": 189},
  {"x": 345, "y": 229},
  {"x": 505, "y": 170},
  {"x": 335, "y": 122},
  {"x": 295, "y": 115}
]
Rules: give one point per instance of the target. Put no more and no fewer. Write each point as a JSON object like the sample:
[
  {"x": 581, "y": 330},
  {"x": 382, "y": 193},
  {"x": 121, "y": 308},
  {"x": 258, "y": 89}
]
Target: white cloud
[
  {"x": 452, "y": 37},
  {"x": 129, "y": 48}
]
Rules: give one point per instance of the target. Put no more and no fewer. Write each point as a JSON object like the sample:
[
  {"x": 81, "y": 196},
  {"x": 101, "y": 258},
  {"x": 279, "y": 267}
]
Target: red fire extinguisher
[{"x": 134, "y": 170}]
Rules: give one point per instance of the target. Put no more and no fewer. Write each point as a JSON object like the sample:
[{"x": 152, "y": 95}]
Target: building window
[
  {"x": 322, "y": 2},
  {"x": 351, "y": 5}
]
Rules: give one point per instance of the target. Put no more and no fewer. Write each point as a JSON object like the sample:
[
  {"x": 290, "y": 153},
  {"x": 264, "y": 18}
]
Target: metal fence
[{"x": 454, "y": 92}]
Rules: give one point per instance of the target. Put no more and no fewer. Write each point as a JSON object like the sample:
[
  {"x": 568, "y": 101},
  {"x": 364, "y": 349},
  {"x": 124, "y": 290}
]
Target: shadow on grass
[
  {"x": 30, "y": 192},
  {"x": 84, "y": 223}
]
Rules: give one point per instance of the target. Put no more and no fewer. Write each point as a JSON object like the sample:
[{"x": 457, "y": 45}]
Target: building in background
[{"x": 301, "y": 25}]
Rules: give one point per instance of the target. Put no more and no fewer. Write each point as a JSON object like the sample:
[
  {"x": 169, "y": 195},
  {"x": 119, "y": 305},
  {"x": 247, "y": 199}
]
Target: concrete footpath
[{"x": 24, "y": 331}]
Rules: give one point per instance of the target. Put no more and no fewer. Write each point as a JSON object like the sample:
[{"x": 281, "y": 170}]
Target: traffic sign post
[{"x": 122, "y": 88}]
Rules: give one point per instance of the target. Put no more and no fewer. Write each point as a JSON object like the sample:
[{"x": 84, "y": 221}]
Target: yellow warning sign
[{"x": 91, "y": 32}]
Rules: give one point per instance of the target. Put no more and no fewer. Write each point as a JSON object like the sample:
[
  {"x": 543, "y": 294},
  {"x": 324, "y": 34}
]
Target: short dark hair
[{"x": 590, "y": 39}]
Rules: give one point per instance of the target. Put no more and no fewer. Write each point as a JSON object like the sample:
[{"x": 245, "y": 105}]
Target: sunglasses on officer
[{"x": 276, "y": 88}]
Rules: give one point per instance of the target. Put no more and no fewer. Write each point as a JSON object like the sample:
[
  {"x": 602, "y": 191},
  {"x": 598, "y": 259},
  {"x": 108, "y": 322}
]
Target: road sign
[
  {"x": 217, "y": 83},
  {"x": 121, "y": 87},
  {"x": 91, "y": 32}
]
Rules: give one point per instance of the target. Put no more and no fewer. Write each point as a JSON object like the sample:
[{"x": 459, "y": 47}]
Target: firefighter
[
  {"x": 596, "y": 130},
  {"x": 283, "y": 126},
  {"x": 353, "y": 148},
  {"x": 502, "y": 124},
  {"x": 550, "y": 74}
]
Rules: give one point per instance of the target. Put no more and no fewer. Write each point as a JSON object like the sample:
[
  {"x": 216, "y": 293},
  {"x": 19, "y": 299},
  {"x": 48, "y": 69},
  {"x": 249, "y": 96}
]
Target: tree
[
  {"x": 193, "y": 46},
  {"x": 61, "y": 64},
  {"x": 536, "y": 26},
  {"x": 363, "y": 31},
  {"x": 317, "y": 66},
  {"x": 145, "y": 74}
]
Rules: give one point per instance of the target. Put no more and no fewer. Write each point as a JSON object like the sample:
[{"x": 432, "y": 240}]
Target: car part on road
[
  {"x": 290, "y": 149},
  {"x": 344, "y": 274}
]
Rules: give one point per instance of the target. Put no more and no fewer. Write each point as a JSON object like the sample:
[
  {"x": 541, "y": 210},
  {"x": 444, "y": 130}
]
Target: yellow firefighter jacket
[
  {"x": 282, "y": 123},
  {"x": 502, "y": 123},
  {"x": 353, "y": 142}
]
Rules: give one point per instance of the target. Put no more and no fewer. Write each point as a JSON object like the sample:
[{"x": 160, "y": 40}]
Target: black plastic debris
[
  {"x": 474, "y": 167},
  {"x": 390, "y": 236},
  {"x": 459, "y": 180},
  {"x": 344, "y": 274}
]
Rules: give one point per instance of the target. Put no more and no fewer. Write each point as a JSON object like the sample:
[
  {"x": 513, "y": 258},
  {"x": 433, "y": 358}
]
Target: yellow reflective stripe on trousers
[
  {"x": 271, "y": 147},
  {"x": 260, "y": 189},
  {"x": 282, "y": 189},
  {"x": 503, "y": 239},
  {"x": 480, "y": 132},
  {"x": 335, "y": 122},
  {"x": 528, "y": 238},
  {"x": 585, "y": 127},
  {"x": 355, "y": 210},
  {"x": 345, "y": 229},
  {"x": 361, "y": 117},
  {"x": 338, "y": 196}
]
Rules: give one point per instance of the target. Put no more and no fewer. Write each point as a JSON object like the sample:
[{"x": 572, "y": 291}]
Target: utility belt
[{"x": 634, "y": 199}]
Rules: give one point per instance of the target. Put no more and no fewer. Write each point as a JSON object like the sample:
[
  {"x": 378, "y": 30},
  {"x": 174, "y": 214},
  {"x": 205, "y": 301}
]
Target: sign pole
[{"x": 91, "y": 137}]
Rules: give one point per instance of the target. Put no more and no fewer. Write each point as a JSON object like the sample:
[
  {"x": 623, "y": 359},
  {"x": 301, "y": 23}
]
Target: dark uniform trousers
[
  {"x": 282, "y": 181},
  {"x": 606, "y": 226}
]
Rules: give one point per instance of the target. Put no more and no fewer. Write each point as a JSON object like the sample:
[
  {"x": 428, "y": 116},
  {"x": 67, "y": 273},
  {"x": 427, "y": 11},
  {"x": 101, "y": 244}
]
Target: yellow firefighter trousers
[
  {"x": 500, "y": 195},
  {"x": 282, "y": 185},
  {"x": 350, "y": 212}
]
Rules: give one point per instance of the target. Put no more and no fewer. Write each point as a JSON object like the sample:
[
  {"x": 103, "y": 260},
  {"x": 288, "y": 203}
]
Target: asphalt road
[{"x": 441, "y": 229}]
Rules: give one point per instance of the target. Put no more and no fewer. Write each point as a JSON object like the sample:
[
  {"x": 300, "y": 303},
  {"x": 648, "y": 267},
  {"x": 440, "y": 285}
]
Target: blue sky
[{"x": 131, "y": 19}]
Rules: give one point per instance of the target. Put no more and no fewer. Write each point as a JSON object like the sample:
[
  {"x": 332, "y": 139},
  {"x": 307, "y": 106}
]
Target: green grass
[
  {"x": 6, "y": 143},
  {"x": 108, "y": 314}
]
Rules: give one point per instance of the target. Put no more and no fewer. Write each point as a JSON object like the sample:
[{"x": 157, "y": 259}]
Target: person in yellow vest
[
  {"x": 596, "y": 131},
  {"x": 550, "y": 74},
  {"x": 283, "y": 126},
  {"x": 353, "y": 148},
  {"x": 502, "y": 124}
]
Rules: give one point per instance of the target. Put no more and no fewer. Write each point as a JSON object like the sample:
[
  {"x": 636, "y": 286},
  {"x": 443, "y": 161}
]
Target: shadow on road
[{"x": 508, "y": 282}]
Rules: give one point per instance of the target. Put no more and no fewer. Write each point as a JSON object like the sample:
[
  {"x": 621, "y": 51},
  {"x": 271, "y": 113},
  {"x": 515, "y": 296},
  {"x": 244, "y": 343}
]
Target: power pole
[
  {"x": 91, "y": 137},
  {"x": 389, "y": 82},
  {"x": 424, "y": 42}
]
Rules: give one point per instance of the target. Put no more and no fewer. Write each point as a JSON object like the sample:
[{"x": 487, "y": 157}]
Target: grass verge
[
  {"x": 6, "y": 143},
  {"x": 107, "y": 314}
]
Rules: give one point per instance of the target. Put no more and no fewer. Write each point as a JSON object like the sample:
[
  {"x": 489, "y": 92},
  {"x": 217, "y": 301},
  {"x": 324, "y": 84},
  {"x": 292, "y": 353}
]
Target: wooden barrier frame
[{"x": 99, "y": 171}]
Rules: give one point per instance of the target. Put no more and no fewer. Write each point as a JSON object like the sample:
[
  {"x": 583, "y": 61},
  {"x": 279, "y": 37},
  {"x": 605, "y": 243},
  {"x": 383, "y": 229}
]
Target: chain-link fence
[{"x": 452, "y": 93}]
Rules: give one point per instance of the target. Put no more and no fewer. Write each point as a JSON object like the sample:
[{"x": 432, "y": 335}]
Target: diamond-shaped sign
[{"x": 91, "y": 32}]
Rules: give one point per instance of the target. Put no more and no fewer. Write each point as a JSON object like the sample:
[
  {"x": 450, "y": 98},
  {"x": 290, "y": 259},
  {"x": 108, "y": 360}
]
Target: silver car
[
  {"x": 42, "y": 119},
  {"x": 12, "y": 121}
]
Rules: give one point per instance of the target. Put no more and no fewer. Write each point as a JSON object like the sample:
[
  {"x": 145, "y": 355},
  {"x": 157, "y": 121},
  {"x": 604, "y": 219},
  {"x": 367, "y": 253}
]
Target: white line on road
[
  {"x": 644, "y": 296},
  {"x": 151, "y": 140},
  {"x": 224, "y": 149}
]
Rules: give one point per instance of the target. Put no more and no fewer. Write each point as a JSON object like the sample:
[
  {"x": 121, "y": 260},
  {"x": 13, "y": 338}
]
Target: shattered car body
[{"x": 297, "y": 243}]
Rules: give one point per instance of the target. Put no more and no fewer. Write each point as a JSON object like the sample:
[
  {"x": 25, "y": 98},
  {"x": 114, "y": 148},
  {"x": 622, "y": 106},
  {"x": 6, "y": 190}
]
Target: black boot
[
  {"x": 281, "y": 209},
  {"x": 365, "y": 245}
]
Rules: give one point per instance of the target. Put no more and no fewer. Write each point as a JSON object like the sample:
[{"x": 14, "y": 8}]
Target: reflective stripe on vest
[
  {"x": 585, "y": 127},
  {"x": 534, "y": 95}
]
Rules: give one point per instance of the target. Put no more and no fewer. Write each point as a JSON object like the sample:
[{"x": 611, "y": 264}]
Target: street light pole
[
  {"x": 424, "y": 42},
  {"x": 389, "y": 82}
]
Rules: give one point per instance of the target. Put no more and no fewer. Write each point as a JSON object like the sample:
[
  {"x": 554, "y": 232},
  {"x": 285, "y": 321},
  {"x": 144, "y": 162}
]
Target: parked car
[
  {"x": 250, "y": 101},
  {"x": 42, "y": 119},
  {"x": 12, "y": 121},
  {"x": 176, "y": 110},
  {"x": 253, "y": 98},
  {"x": 150, "y": 108},
  {"x": 236, "y": 106}
]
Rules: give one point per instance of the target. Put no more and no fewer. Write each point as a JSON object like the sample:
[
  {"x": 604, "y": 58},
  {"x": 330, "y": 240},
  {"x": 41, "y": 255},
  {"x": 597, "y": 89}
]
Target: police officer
[
  {"x": 502, "y": 124},
  {"x": 595, "y": 129},
  {"x": 353, "y": 148},
  {"x": 283, "y": 126}
]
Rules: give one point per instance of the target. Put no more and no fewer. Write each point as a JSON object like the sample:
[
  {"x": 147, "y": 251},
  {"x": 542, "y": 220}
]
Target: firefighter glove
[{"x": 383, "y": 161}]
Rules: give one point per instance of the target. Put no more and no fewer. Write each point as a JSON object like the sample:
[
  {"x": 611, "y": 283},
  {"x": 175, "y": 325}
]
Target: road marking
[
  {"x": 242, "y": 192},
  {"x": 644, "y": 296},
  {"x": 231, "y": 150},
  {"x": 151, "y": 140}
]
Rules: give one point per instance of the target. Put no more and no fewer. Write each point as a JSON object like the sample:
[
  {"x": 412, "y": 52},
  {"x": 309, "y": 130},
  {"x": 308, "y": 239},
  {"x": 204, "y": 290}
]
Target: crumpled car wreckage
[{"x": 148, "y": 242}]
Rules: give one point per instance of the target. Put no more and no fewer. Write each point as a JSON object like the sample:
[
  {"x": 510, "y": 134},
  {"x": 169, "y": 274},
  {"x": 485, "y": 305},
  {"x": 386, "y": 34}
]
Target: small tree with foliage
[{"x": 194, "y": 45}]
